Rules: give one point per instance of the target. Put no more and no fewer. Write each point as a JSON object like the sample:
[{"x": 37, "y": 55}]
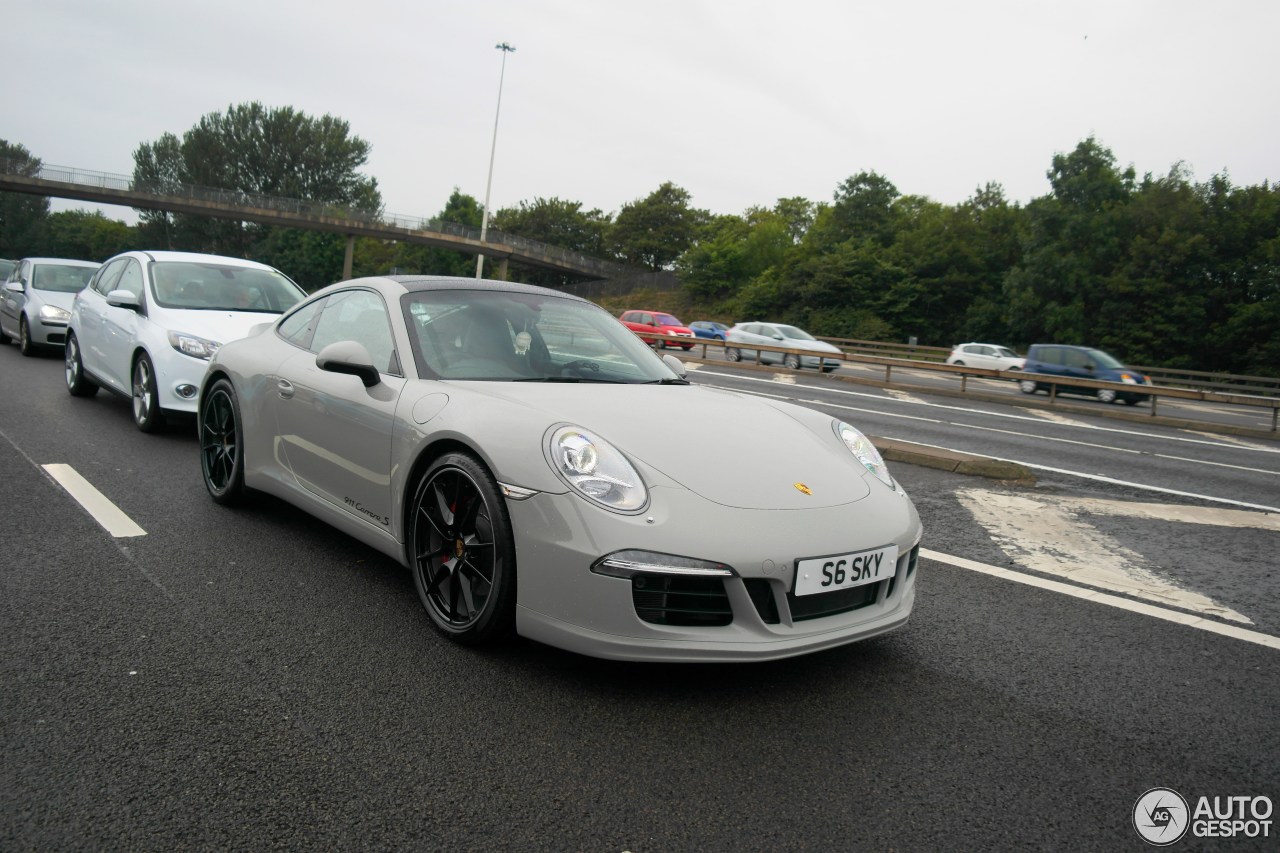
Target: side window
[
  {"x": 130, "y": 278},
  {"x": 298, "y": 327},
  {"x": 107, "y": 277},
  {"x": 1051, "y": 355},
  {"x": 1078, "y": 359},
  {"x": 358, "y": 315},
  {"x": 630, "y": 317},
  {"x": 647, "y": 319}
]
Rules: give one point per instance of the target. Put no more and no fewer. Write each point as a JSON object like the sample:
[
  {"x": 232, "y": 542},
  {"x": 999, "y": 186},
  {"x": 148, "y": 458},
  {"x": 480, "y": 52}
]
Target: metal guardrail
[
  {"x": 237, "y": 198},
  {"x": 1153, "y": 392},
  {"x": 1166, "y": 376}
]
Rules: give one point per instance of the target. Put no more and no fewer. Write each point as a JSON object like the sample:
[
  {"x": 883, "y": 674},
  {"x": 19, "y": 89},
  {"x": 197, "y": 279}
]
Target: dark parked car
[{"x": 1075, "y": 362}]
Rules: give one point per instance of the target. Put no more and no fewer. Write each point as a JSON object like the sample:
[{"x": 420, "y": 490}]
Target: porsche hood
[{"x": 731, "y": 449}]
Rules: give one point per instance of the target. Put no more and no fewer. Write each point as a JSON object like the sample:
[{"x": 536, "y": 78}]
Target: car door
[
  {"x": 119, "y": 327},
  {"x": 335, "y": 432},
  {"x": 88, "y": 314},
  {"x": 11, "y": 302},
  {"x": 983, "y": 356}
]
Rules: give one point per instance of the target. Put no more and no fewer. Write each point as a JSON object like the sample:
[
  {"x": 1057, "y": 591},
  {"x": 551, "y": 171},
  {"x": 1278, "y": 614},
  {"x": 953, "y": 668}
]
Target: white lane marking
[
  {"x": 784, "y": 379},
  {"x": 1103, "y": 479},
  {"x": 904, "y": 396},
  {"x": 1060, "y": 419},
  {"x": 986, "y": 413},
  {"x": 110, "y": 516},
  {"x": 691, "y": 366},
  {"x": 1109, "y": 600},
  {"x": 1046, "y": 535},
  {"x": 1231, "y": 440}
]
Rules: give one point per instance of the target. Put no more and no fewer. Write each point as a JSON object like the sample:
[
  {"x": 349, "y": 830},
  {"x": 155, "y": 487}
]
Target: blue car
[
  {"x": 1075, "y": 362},
  {"x": 709, "y": 329}
]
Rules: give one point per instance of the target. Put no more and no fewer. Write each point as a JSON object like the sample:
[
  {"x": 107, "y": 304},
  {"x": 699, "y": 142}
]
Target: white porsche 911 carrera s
[{"x": 498, "y": 439}]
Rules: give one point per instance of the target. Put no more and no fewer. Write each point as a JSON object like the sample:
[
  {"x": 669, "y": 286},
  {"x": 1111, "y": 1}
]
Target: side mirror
[
  {"x": 778, "y": 337},
  {"x": 350, "y": 357},
  {"x": 1090, "y": 366},
  {"x": 123, "y": 299},
  {"x": 14, "y": 286},
  {"x": 676, "y": 365}
]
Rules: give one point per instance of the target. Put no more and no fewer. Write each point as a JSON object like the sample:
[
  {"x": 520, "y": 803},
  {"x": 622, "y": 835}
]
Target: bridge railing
[{"x": 260, "y": 201}]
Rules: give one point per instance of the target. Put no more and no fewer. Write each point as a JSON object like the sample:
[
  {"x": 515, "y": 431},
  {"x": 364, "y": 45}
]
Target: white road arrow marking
[{"x": 1046, "y": 534}]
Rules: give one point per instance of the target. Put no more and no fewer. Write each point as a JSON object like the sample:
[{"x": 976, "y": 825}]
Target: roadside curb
[{"x": 896, "y": 450}]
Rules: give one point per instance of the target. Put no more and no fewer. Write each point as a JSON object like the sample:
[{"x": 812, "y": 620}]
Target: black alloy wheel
[
  {"x": 461, "y": 551},
  {"x": 146, "y": 396},
  {"x": 78, "y": 384},
  {"x": 222, "y": 444}
]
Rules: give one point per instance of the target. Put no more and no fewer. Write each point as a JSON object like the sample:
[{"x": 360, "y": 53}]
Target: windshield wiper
[
  {"x": 669, "y": 382},
  {"x": 572, "y": 379}
]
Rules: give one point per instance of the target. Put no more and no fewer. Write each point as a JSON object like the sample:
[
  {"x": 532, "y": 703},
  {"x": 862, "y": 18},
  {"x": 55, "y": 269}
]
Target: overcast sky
[{"x": 739, "y": 102}]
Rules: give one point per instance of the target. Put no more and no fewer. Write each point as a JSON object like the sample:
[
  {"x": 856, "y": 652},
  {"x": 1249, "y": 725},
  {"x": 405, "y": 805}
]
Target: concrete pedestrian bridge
[{"x": 500, "y": 248}]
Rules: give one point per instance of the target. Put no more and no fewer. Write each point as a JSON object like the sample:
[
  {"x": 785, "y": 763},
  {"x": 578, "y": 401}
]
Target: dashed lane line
[{"x": 110, "y": 516}]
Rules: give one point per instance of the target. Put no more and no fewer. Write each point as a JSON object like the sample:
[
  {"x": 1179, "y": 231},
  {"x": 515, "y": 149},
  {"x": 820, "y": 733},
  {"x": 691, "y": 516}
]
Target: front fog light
[{"x": 629, "y": 563}]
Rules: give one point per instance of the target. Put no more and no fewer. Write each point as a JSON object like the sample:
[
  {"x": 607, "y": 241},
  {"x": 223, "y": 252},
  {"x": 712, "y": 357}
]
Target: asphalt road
[
  {"x": 251, "y": 679},
  {"x": 1248, "y": 418}
]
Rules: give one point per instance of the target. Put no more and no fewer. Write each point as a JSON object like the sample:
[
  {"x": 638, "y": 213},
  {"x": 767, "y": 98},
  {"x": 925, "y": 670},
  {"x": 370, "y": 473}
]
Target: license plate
[{"x": 845, "y": 571}]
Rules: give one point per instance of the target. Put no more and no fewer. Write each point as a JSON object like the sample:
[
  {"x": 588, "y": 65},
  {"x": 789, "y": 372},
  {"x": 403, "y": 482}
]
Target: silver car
[
  {"x": 779, "y": 335},
  {"x": 35, "y": 302},
  {"x": 498, "y": 440}
]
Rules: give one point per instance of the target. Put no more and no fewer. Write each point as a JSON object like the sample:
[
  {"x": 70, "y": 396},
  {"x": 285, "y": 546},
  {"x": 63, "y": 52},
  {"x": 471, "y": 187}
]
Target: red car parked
[{"x": 657, "y": 323}]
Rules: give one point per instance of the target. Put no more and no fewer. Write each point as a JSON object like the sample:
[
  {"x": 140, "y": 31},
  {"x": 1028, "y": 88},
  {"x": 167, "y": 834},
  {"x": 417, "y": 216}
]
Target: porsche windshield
[
  {"x": 212, "y": 287},
  {"x": 508, "y": 336}
]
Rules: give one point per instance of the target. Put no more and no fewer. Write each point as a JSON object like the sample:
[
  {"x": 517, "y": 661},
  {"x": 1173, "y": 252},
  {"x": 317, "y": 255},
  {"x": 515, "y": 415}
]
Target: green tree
[
  {"x": 253, "y": 149},
  {"x": 22, "y": 216},
  {"x": 654, "y": 231},
  {"x": 1076, "y": 237},
  {"x": 89, "y": 236}
]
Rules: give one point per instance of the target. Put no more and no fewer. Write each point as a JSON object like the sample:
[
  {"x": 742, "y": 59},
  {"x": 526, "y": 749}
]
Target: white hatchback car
[
  {"x": 148, "y": 323},
  {"x": 989, "y": 356}
]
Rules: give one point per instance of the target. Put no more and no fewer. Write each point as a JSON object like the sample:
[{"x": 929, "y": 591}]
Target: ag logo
[
  {"x": 1161, "y": 816},
  {"x": 803, "y": 488}
]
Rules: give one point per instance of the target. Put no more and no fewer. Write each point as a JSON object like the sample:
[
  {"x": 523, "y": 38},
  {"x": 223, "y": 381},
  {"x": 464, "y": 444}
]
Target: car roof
[
  {"x": 193, "y": 258},
  {"x": 419, "y": 283},
  {"x": 68, "y": 261}
]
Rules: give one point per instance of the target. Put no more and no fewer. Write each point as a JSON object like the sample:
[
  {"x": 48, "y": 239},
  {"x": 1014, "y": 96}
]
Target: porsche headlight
[
  {"x": 54, "y": 314},
  {"x": 861, "y": 447},
  {"x": 596, "y": 469},
  {"x": 193, "y": 346}
]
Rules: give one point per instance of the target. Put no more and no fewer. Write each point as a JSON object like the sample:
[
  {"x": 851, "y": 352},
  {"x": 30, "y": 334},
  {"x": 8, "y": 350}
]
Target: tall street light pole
[{"x": 484, "y": 222}]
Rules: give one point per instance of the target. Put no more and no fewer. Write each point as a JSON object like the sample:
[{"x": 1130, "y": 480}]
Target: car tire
[
  {"x": 146, "y": 395},
  {"x": 78, "y": 384},
  {"x": 733, "y": 354},
  {"x": 1106, "y": 395},
  {"x": 25, "y": 346},
  {"x": 461, "y": 551},
  {"x": 791, "y": 361},
  {"x": 1132, "y": 401},
  {"x": 222, "y": 444},
  {"x": 1027, "y": 386}
]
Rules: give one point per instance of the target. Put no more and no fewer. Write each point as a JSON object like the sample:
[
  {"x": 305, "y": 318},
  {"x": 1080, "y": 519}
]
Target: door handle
[{"x": 285, "y": 387}]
